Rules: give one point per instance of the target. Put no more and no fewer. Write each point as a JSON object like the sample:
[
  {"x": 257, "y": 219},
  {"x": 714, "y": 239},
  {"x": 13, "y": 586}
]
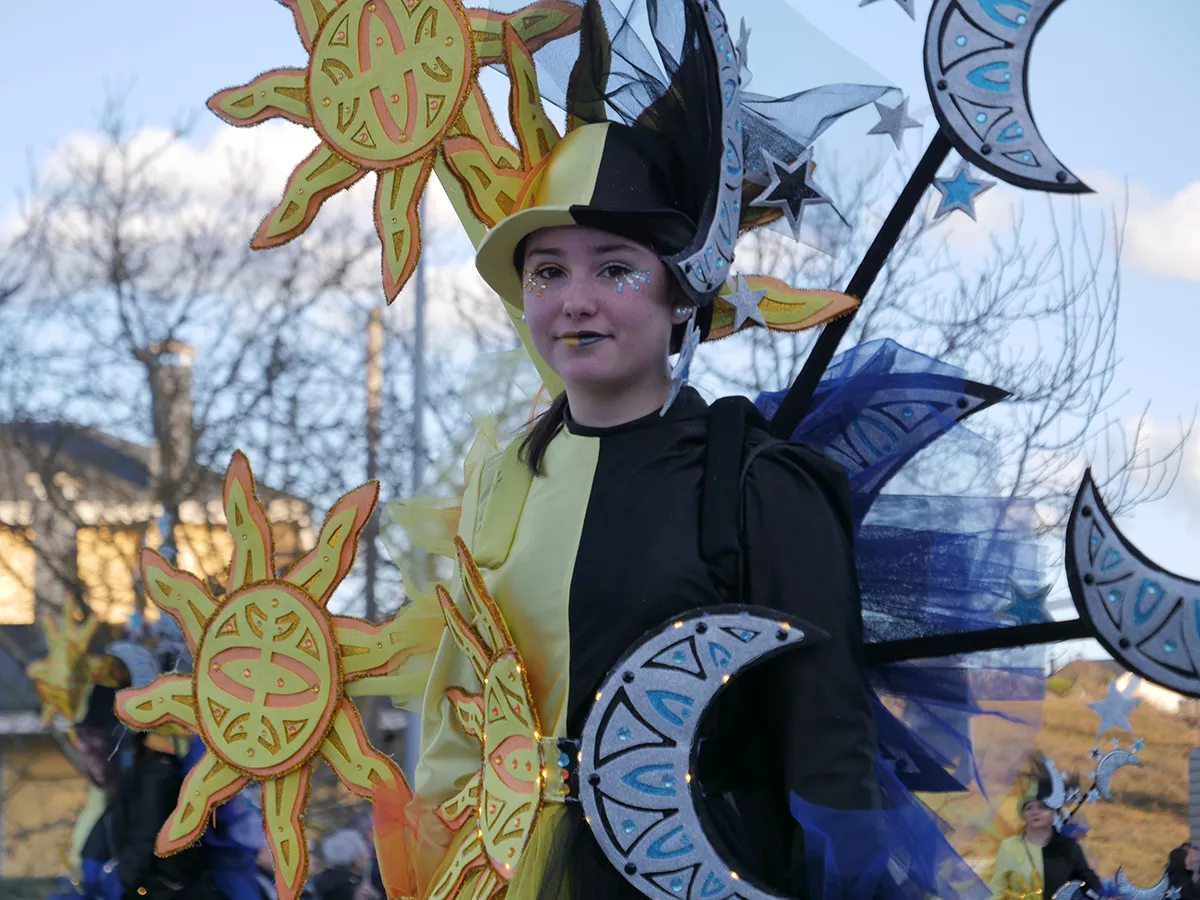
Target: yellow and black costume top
[{"x": 604, "y": 545}]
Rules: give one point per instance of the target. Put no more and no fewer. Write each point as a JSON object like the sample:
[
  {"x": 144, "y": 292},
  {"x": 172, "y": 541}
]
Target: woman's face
[
  {"x": 1193, "y": 856},
  {"x": 1038, "y": 815},
  {"x": 599, "y": 308}
]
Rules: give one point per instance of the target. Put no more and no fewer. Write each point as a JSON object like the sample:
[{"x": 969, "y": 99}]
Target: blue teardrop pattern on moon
[
  {"x": 1149, "y": 592},
  {"x": 992, "y": 9},
  {"x": 1111, "y": 559},
  {"x": 720, "y": 656},
  {"x": 660, "y": 849},
  {"x": 663, "y": 701},
  {"x": 980, "y": 78},
  {"x": 712, "y": 886},
  {"x": 637, "y": 779}
]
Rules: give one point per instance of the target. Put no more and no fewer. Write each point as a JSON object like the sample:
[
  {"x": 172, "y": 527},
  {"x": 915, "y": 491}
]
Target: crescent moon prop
[
  {"x": 1107, "y": 767},
  {"x": 903, "y": 417},
  {"x": 1058, "y": 787},
  {"x": 1145, "y": 616},
  {"x": 639, "y": 748},
  {"x": 1072, "y": 890},
  {"x": 976, "y": 65},
  {"x": 1130, "y": 891},
  {"x": 988, "y": 72}
]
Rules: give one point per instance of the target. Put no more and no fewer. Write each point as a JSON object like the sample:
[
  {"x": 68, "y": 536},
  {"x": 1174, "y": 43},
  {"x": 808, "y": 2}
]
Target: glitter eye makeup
[
  {"x": 533, "y": 282},
  {"x": 633, "y": 279}
]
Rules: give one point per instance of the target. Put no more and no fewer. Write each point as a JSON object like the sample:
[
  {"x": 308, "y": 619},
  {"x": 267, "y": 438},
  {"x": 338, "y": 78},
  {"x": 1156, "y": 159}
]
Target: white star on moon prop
[
  {"x": 907, "y": 5},
  {"x": 1115, "y": 708},
  {"x": 893, "y": 121},
  {"x": 744, "y": 302}
]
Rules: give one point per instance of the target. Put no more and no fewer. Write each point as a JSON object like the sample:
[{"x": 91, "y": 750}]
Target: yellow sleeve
[{"x": 1006, "y": 863}]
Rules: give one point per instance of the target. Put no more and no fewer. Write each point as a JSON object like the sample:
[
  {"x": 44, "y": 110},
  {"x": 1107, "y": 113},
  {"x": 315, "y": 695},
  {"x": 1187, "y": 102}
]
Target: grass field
[{"x": 1149, "y": 814}]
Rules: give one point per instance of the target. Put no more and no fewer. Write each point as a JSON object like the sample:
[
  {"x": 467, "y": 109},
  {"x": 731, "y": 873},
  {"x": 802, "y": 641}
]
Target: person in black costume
[
  {"x": 1181, "y": 864},
  {"x": 146, "y": 796}
]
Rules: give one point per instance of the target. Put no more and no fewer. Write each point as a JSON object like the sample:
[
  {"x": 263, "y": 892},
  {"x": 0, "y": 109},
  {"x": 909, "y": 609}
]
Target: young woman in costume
[
  {"x": 1041, "y": 858},
  {"x": 614, "y": 514}
]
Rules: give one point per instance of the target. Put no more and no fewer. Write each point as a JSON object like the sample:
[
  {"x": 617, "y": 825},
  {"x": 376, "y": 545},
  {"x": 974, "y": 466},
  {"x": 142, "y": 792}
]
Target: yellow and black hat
[{"x": 607, "y": 176}]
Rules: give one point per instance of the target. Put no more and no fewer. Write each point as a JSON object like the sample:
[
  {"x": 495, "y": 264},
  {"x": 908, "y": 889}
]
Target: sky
[{"x": 1113, "y": 92}]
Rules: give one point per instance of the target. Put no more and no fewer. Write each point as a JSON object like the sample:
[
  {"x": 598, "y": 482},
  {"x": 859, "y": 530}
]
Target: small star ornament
[
  {"x": 909, "y": 6},
  {"x": 679, "y": 372},
  {"x": 960, "y": 191},
  {"x": 1115, "y": 708},
  {"x": 789, "y": 187},
  {"x": 894, "y": 121},
  {"x": 744, "y": 302},
  {"x": 1027, "y": 607}
]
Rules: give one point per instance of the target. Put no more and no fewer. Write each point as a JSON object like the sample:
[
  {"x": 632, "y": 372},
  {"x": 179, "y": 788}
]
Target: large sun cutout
[
  {"x": 388, "y": 81},
  {"x": 268, "y": 692}
]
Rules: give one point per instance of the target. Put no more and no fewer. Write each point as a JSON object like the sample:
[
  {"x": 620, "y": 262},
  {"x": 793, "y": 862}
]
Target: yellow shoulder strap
[{"x": 503, "y": 486}]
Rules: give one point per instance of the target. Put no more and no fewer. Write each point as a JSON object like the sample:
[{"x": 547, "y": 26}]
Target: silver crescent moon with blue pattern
[
  {"x": 639, "y": 748},
  {"x": 1130, "y": 891},
  {"x": 976, "y": 66},
  {"x": 1145, "y": 616}
]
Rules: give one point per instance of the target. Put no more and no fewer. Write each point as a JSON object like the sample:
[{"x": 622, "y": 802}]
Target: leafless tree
[
  {"x": 120, "y": 265},
  {"x": 1036, "y": 317}
]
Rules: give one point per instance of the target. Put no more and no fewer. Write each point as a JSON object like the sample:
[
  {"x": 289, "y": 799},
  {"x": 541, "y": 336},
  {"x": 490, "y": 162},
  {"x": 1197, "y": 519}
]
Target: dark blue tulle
[{"x": 927, "y": 565}]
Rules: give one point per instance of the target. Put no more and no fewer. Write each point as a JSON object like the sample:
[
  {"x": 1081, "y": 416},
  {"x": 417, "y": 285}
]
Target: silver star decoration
[
  {"x": 744, "y": 302},
  {"x": 1115, "y": 708},
  {"x": 893, "y": 121},
  {"x": 907, "y": 5},
  {"x": 743, "y": 52},
  {"x": 788, "y": 186},
  {"x": 679, "y": 372}
]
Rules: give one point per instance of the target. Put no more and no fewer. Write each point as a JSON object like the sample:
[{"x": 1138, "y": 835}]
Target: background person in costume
[
  {"x": 1040, "y": 858},
  {"x": 1181, "y": 871}
]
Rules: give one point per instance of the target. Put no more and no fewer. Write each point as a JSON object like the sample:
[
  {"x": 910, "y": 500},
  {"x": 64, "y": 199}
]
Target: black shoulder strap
[{"x": 721, "y": 501}]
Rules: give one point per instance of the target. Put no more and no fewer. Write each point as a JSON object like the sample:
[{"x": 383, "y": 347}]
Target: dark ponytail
[{"x": 533, "y": 448}]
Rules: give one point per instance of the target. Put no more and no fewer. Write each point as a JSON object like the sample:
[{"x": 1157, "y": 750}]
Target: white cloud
[
  {"x": 1162, "y": 234},
  {"x": 223, "y": 187}
]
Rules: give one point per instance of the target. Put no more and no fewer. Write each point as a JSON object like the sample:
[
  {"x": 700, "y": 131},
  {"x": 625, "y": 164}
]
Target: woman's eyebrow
[{"x": 614, "y": 248}]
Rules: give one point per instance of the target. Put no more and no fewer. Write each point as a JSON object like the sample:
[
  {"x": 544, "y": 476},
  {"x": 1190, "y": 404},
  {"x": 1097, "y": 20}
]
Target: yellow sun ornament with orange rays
[
  {"x": 272, "y": 675},
  {"x": 387, "y": 83}
]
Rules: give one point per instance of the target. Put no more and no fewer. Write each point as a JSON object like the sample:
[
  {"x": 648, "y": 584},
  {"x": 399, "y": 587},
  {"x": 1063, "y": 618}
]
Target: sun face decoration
[
  {"x": 64, "y": 677},
  {"x": 388, "y": 82},
  {"x": 494, "y": 813},
  {"x": 268, "y": 692}
]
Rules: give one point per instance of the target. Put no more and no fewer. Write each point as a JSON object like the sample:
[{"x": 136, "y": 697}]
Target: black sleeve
[
  {"x": 1082, "y": 870},
  {"x": 800, "y": 560},
  {"x": 151, "y": 790}
]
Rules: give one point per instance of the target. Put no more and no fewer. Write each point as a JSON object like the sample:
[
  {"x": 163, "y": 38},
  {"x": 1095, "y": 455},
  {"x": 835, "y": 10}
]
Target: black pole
[
  {"x": 980, "y": 641},
  {"x": 797, "y": 400}
]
